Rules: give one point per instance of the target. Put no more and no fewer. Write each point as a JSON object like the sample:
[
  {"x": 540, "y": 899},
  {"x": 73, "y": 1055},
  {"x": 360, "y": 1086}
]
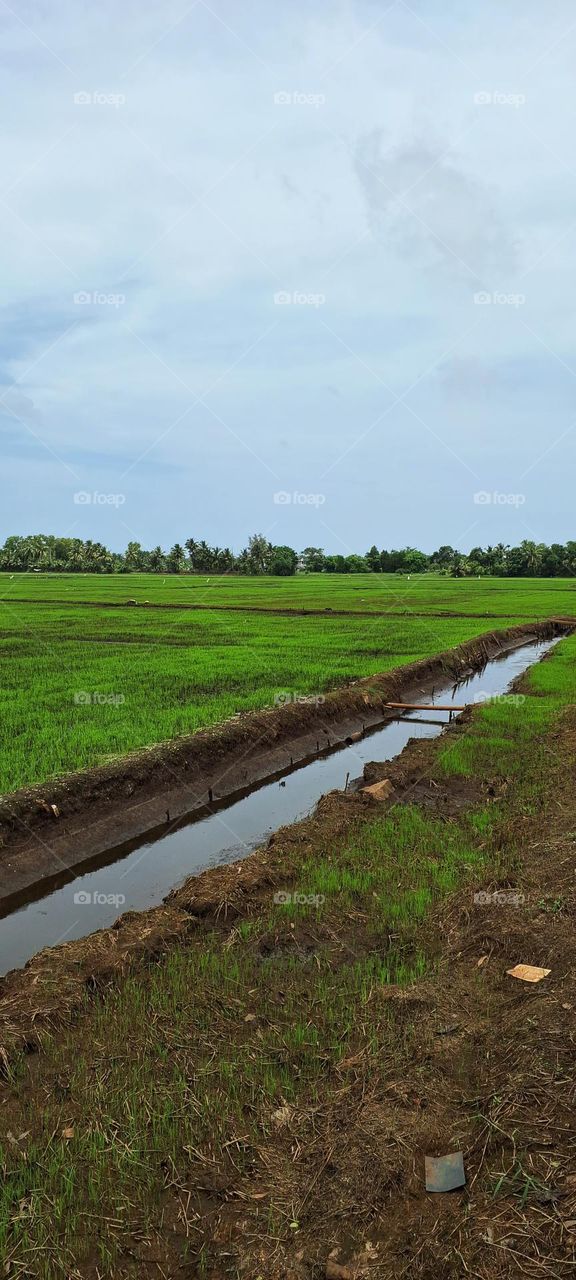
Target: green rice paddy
[{"x": 84, "y": 680}]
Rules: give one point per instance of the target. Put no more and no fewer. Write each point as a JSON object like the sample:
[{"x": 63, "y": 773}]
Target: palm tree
[
  {"x": 157, "y": 560},
  {"x": 176, "y": 559}
]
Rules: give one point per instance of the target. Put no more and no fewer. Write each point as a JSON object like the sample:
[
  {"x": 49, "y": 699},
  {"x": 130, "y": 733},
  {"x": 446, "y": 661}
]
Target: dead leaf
[{"x": 282, "y": 1116}]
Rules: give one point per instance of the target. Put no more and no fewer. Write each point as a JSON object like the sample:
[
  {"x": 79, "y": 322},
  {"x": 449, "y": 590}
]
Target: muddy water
[{"x": 138, "y": 877}]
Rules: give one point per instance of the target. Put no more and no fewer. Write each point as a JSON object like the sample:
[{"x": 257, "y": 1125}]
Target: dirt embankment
[
  {"x": 62, "y": 824},
  {"x": 296, "y": 611}
]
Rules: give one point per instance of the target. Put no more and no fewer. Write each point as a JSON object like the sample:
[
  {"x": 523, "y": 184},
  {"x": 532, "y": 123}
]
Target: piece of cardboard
[
  {"x": 528, "y": 972},
  {"x": 379, "y": 790}
]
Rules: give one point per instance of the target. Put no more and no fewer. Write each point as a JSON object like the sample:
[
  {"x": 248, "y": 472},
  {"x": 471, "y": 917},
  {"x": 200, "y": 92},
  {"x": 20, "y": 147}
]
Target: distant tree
[
  {"x": 414, "y": 561},
  {"x": 373, "y": 560},
  {"x": 459, "y": 566},
  {"x": 356, "y": 564},
  {"x": 524, "y": 561},
  {"x": 133, "y": 557},
  {"x": 157, "y": 560},
  {"x": 570, "y": 559},
  {"x": 96, "y": 558},
  {"x": 444, "y": 557},
  {"x": 225, "y": 561},
  {"x": 532, "y": 557},
  {"x": 176, "y": 559},
  {"x": 191, "y": 545},
  {"x": 13, "y": 554},
  {"x": 282, "y": 562},
  {"x": 313, "y": 560},
  {"x": 243, "y": 562},
  {"x": 49, "y": 553},
  {"x": 335, "y": 564},
  {"x": 391, "y": 561},
  {"x": 203, "y": 557},
  {"x": 554, "y": 561},
  {"x": 259, "y": 553}
]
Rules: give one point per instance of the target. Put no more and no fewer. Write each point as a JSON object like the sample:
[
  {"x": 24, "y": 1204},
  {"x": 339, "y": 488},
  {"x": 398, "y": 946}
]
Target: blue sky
[{"x": 322, "y": 251}]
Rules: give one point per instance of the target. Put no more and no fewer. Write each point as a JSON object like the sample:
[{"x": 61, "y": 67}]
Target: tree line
[{"x": 46, "y": 553}]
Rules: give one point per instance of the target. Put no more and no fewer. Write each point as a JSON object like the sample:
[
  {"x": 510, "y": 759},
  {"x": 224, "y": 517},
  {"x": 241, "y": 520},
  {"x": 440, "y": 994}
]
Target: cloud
[
  {"x": 14, "y": 404},
  {"x": 198, "y": 197},
  {"x": 434, "y": 209}
]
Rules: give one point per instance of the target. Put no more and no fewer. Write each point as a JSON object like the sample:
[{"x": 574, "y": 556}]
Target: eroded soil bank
[{"x": 102, "y": 808}]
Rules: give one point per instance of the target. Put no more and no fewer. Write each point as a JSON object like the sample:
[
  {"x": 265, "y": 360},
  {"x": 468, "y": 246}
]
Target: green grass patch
[
  {"x": 82, "y": 685},
  {"x": 504, "y": 729}
]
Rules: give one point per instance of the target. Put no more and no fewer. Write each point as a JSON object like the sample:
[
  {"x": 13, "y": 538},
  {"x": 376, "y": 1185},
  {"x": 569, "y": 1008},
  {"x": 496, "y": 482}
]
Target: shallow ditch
[{"x": 140, "y": 873}]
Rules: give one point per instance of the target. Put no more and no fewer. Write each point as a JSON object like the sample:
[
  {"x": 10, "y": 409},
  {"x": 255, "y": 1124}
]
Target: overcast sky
[{"x": 304, "y": 269}]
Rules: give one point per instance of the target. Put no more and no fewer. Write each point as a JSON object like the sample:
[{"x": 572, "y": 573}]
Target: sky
[{"x": 305, "y": 270}]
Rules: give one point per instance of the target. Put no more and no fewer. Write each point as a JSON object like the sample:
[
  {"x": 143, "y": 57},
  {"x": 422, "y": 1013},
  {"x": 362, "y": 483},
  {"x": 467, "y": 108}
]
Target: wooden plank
[{"x": 424, "y": 706}]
